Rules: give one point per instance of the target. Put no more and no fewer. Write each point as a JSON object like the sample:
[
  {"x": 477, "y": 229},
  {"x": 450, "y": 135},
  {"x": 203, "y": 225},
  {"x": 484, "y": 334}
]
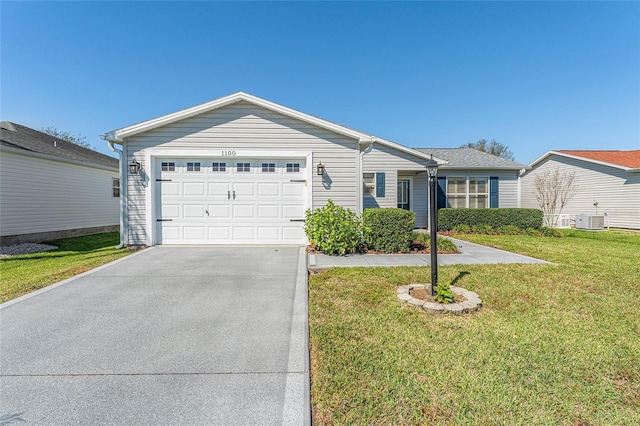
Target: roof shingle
[
  {"x": 462, "y": 158},
  {"x": 21, "y": 137},
  {"x": 619, "y": 158}
]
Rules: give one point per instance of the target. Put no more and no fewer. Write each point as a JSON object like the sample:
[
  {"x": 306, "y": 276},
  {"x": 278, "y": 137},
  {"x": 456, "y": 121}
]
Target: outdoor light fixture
[
  {"x": 432, "y": 171},
  {"x": 320, "y": 169},
  {"x": 134, "y": 167}
]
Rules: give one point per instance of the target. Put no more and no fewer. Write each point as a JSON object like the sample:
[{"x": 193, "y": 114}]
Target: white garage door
[{"x": 222, "y": 201}]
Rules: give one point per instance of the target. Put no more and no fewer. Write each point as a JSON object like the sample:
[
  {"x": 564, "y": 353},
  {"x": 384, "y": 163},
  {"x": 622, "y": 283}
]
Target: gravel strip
[{"x": 25, "y": 248}]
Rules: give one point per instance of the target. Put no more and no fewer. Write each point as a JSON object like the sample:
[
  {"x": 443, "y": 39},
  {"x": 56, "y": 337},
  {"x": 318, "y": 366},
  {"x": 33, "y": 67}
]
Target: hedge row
[{"x": 495, "y": 218}]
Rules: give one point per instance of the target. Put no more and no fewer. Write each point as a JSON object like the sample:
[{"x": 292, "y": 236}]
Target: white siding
[
  {"x": 617, "y": 191},
  {"x": 245, "y": 127},
  {"x": 393, "y": 162},
  {"x": 39, "y": 195}
]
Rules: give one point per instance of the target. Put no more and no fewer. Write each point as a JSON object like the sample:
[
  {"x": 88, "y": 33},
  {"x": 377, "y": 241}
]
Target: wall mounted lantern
[
  {"x": 134, "y": 167},
  {"x": 320, "y": 169}
]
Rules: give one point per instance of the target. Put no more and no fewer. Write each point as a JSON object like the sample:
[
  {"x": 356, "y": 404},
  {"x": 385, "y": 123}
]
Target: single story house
[
  {"x": 608, "y": 184},
  {"x": 243, "y": 170},
  {"x": 50, "y": 188}
]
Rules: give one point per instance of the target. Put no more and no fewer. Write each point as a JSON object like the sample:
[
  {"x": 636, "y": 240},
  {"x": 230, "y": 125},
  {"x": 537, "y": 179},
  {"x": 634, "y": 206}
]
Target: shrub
[
  {"x": 444, "y": 244},
  {"x": 388, "y": 230},
  {"x": 522, "y": 218},
  {"x": 443, "y": 293},
  {"x": 482, "y": 229},
  {"x": 509, "y": 230},
  {"x": 550, "y": 232},
  {"x": 533, "y": 232},
  {"x": 461, "y": 229},
  {"x": 333, "y": 229}
]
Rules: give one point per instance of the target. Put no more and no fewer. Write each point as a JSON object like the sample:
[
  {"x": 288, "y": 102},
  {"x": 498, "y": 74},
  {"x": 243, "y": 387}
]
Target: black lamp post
[{"x": 432, "y": 172}]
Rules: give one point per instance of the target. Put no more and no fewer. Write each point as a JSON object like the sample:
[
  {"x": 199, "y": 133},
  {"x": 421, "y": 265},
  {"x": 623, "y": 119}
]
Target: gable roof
[
  {"x": 625, "y": 160},
  {"x": 29, "y": 141},
  {"x": 119, "y": 135},
  {"x": 469, "y": 158}
]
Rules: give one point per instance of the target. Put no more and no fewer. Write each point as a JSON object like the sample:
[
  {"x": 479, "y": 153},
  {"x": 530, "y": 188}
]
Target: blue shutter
[
  {"x": 442, "y": 192},
  {"x": 379, "y": 184},
  {"x": 493, "y": 192}
]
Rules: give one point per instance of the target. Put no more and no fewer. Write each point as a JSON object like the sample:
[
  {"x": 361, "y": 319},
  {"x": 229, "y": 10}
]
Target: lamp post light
[{"x": 432, "y": 172}]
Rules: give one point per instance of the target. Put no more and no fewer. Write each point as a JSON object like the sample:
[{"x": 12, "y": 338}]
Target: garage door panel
[
  {"x": 244, "y": 189},
  {"x": 224, "y": 207},
  {"x": 194, "y": 233},
  {"x": 170, "y": 211},
  {"x": 269, "y": 211},
  {"x": 243, "y": 211},
  {"x": 222, "y": 211},
  {"x": 219, "y": 189},
  {"x": 193, "y": 189},
  {"x": 193, "y": 211},
  {"x": 293, "y": 189},
  {"x": 268, "y": 189},
  {"x": 243, "y": 233}
]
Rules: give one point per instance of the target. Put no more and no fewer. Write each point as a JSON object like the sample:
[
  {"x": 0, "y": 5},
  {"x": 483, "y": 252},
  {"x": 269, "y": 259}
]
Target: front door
[{"x": 404, "y": 186}]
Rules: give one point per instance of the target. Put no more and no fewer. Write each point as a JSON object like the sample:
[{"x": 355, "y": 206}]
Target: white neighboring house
[
  {"x": 53, "y": 189},
  {"x": 608, "y": 184},
  {"x": 243, "y": 170}
]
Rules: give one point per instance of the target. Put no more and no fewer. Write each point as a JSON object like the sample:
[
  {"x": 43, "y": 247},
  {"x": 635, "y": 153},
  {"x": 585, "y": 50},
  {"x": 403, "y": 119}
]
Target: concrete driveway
[{"x": 167, "y": 336}]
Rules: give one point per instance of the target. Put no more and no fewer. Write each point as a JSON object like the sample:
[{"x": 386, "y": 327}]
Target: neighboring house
[
  {"x": 243, "y": 170},
  {"x": 608, "y": 184},
  {"x": 51, "y": 189}
]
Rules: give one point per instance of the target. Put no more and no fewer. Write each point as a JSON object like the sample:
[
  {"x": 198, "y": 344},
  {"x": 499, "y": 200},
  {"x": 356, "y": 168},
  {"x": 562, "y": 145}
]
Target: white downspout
[
  {"x": 123, "y": 193},
  {"x": 520, "y": 173}
]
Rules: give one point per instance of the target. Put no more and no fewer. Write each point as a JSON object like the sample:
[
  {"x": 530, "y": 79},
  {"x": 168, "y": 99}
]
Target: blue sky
[{"x": 533, "y": 75}]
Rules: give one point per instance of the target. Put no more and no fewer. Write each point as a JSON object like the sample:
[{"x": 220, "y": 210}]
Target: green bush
[
  {"x": 333, "y": 229},
  {"x": 550, "y": 232},
  {"x": 509, "y": 230},
  {"x": 461, "y": 229},
  {"x": 482, "y": 229},
  {"x": 533, "y": 232},
  {"x": 444, "y": 244},
  {"x": 388, "y": 230},
  {"x": 444, "y": 293},
  {"x": 495, "y": 218}
]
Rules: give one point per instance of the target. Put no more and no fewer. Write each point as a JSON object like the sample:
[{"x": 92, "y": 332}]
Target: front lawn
[
  {"x": 554, "y": 344},
  {"x": 24, "y": 273}
]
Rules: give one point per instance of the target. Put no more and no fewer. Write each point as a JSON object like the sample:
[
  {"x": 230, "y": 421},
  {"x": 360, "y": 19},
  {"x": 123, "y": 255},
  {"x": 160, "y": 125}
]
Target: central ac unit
[{"x": 590, "y": 221}]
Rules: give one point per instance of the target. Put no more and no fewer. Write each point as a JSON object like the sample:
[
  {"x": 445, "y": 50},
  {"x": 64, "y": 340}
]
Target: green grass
[
  {"x": 553, "y": 344},
  {"x": 24, "y": 273}
]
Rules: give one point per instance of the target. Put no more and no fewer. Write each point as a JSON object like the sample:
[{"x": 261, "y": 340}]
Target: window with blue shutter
[
  {"x": 379, "y": 184},
  {"x": 493, "y": 192},
  {"x": 442, "y": 192}
]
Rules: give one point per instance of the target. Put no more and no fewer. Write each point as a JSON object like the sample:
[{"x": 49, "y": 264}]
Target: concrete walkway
[
  {"x": 470, "y": 254},
  {"x": 166, "y": 336}
]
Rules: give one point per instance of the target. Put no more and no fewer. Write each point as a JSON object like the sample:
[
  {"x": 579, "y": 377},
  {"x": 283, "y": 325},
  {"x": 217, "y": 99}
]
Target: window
[
  {"x": 268, "y": 167},
  {"x": 293, "y": 167},
  {"x": 369, "y": 184},
  {"x": 115, "y": 185},
  {"x": 219, "y": 167},
  {"x": 456, "y": 192},
  {"x": 193, "y": 167},
  {"x": 168, "y": 167},
  {"x": 465, "y": 192},
  {"x": 243, "y": 167},
  {"x": 478, "y": 193}
]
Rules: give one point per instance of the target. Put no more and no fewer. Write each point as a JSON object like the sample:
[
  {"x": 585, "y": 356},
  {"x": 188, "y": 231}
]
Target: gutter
[{"x": 123, "y": 191}]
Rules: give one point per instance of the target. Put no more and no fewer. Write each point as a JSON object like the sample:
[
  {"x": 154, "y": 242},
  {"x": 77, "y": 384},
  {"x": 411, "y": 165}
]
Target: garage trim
[{"x": 152, "y": 156}]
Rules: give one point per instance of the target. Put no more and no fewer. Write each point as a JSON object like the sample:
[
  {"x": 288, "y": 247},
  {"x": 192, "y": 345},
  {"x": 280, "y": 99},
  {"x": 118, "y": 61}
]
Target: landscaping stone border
[{"x": 472, "y": 304}]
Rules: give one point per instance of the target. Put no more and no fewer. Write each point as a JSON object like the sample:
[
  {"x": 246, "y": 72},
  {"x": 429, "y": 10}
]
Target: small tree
[
  {"x": 67, "y": 136},
  {"x": 554, "y": 189},
  {"x": 494, "y": 148}
]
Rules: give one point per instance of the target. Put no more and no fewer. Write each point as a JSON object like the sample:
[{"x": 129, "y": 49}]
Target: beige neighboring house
[
  {"x": 608, "y": 185},
  {"x": 52, "y": 189}
]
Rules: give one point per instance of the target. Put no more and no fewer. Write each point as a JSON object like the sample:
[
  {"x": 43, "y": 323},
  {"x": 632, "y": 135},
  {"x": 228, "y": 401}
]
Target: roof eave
[{"x": 577, "y": 157}]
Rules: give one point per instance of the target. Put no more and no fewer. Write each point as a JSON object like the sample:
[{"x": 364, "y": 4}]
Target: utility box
[{"x": 590, "y": 221}]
